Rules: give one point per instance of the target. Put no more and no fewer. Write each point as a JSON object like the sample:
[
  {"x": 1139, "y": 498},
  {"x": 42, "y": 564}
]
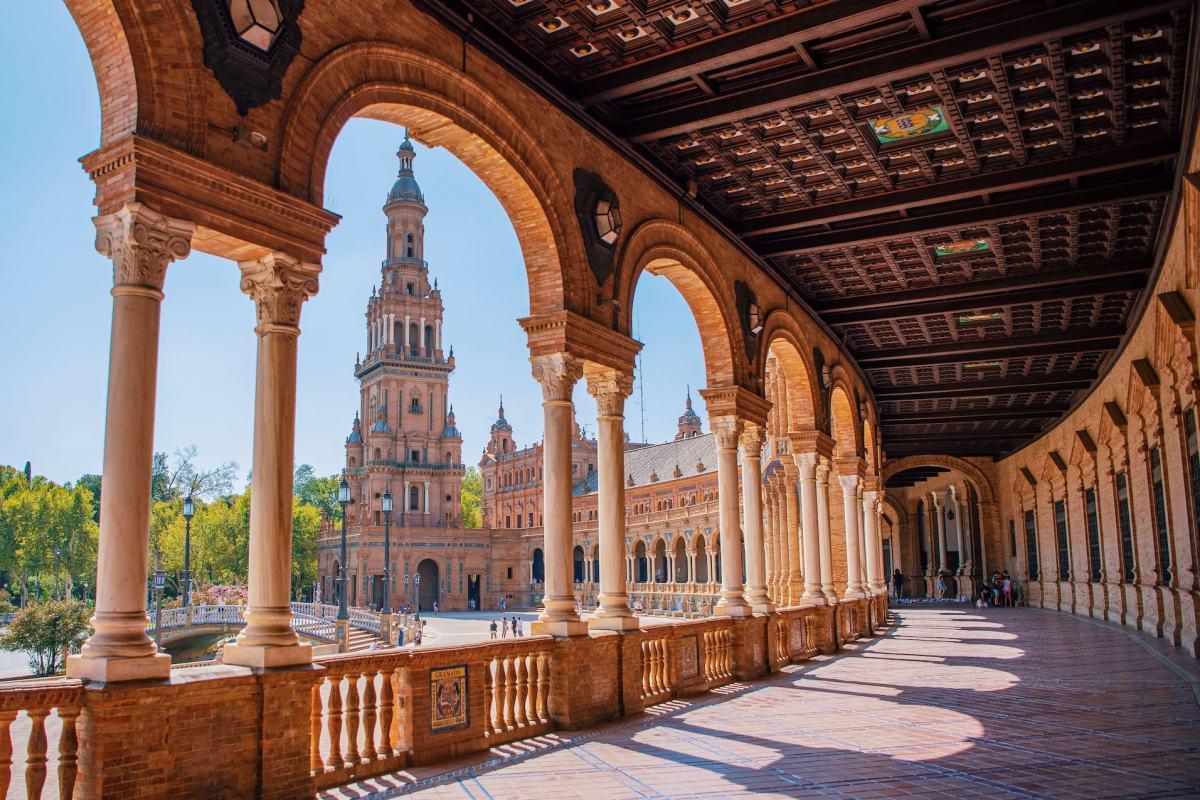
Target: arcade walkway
[{"x": 952, "y": 702}]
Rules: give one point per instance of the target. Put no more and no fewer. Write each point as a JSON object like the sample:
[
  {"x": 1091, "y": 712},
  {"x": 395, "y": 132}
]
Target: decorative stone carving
[
  {"x": 751, "y": 440},
  {"x": 141, "y": 243},
  {"x": 279, "y": 285},
  {"x": 610, "y": 390},
  {"x": 557, "y": 373}
]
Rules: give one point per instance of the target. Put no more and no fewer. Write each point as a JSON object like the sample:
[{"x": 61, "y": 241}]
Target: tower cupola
[{"x": 689, "y": 421}]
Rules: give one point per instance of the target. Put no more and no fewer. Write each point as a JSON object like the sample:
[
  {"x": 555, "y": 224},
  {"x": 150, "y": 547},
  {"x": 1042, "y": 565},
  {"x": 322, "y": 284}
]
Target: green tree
[
  {"x": 306, "y": 527},
  {"x": 472, "y": 498},
  {"x": 45, "y": 631},
  {"x": 91, "y": 482},
  {"x": 318, "y": 492}
]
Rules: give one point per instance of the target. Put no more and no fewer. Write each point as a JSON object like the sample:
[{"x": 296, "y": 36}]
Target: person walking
[
  {"x": 897, "y": 583},
  {"x": 492, "y": 628},
  {"x": 517, "y": 626},
  {"x": 504, "y": 627}
]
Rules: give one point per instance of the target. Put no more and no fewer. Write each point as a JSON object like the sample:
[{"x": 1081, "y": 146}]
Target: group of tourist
[
  {"x": 999, "y": 592},
  {"x": 505, "y": 625}
]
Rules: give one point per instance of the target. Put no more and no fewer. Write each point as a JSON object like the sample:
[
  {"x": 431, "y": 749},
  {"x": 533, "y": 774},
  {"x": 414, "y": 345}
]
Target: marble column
[
  {"x": 850, "y": 516},
  {"x": 823, "y": 534},
  {"x": 806, "y": 463},
  {"x": 795, "y": 579},
  {"x": 610, "y": 388},
  {"x": 939, "y": 512},
  {"x": 727, "y": 431},
  {"x": 756, "y": 566},
  {"x": 875, "y": 578},
  {"x": 558, "y": 373},
  {"x": 958, "y": 531},
  {"x": 279, "y": 285},
  {"x": 141, "y": 244}
]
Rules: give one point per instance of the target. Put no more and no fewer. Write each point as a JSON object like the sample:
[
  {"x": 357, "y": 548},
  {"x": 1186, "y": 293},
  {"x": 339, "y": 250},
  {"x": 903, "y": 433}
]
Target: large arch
[
  {"x": 443, "y": 107},
  {"x": 844, "y": 425},
  {"x": 666, "y": 248},
  {"x": 977, "y": 476},
  {"x": 782, "y": 338}
]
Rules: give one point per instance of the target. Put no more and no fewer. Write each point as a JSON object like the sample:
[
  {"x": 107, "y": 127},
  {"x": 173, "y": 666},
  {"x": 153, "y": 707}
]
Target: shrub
[{"x": 45, "y": 631}]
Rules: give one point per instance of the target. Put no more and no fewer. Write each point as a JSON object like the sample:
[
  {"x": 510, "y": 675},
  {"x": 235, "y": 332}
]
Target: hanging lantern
[{"x": 256, "y": 22}]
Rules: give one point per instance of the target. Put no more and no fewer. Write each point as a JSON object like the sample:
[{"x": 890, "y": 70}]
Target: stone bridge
[{"x": 314, "y": 622}]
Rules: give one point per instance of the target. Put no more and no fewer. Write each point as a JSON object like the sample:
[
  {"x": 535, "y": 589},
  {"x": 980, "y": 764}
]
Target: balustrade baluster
[
  {"x": 35, "y": 763},
  {"x": 334, "y": 721},
  {"x": 6, "y": 718},
  {"x": 646, "y": 667},
  {"x": 369, "y": 715},
  {"x": 315, "y": 762},
  {"x": 68, "y": 753},
  {"x": 522, "y": 682},
  {"x": 387, "y": 701},
  {"x": 530, "y": 689},
  {"x": 489, "y": 698},
  {"x": 543, "y": 686},
  {"x": 509, "y": 692},
  {"x": 352, "y": 718}
]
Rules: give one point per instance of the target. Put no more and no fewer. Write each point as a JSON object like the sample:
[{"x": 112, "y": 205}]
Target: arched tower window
[{"x": 409, "y": 248}]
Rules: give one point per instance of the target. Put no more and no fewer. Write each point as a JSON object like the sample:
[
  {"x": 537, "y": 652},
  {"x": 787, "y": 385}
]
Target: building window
[
  {"x": 409, "y": 288},
  {"x": 1160, "y": 516},
  {"x": 510, "y": 573},
  {"x": 1012, "y": 537},
  {"x": 1060, "y": 532},
  {"x": 1031, "y": 545},
  {"x": 507, "y": 521},
  {"x": 1093, "y": 530},
  {"x": 1193, "y": 451},
  {"x": 1126, "y": 521},
  {"x": 414, "y": 499},
  {"x": 415, "y": 456},
  {"x": 531, "y": 519}
]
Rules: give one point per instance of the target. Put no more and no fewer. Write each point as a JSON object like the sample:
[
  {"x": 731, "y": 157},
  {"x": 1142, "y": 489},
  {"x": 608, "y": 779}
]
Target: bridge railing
[
  {"x": 365, "y": 620},
  {"x": 316, "y": 627}
]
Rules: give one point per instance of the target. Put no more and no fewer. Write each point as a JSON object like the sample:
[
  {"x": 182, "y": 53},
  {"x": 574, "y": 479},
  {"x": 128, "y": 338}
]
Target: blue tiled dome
[{"x": 406, "y": 189}]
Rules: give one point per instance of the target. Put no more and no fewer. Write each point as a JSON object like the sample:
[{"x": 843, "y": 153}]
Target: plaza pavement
[{"x": 952, "y": 702}]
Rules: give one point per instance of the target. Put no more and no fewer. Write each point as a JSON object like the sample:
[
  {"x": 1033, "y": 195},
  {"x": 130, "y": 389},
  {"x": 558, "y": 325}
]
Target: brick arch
[
  {"x": 443, "y": 107},
  {"x": 869, "y": 450},
  {"x": 666, "y": 248},
  {"x": 987, "y": 493},
  {"x": 844, "y": 426},
  {"x": 138, "y": 92},
  {"x": 782, "y": 338}
]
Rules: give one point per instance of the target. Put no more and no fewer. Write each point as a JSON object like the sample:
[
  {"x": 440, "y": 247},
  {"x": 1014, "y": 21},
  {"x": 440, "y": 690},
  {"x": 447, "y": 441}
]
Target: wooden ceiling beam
[
  {"x": 1062, "y": 20},
  {"x": 995, "y": 213},
  {"x": 1011, "y": 290},
  {"x": 972, "y": 415},
  {"x": 1018, "y": 178},
  {"x": 992, "y": 387},
  {"x": 1088, "y": 340},
  {"x": 932, "y": 440}
]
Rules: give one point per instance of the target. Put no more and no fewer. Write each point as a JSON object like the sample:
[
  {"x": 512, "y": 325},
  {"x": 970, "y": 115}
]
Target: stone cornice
[
  {"x": 591, "y": 342},
  {"x": 238, "y": 218},
  {"x": 813, "y": 441},
  {"x": 738, "y": 402}
]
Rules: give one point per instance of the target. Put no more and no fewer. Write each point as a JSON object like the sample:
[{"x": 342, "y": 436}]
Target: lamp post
[
  {"x": 160, "y": 580},
  {"x": 344, "y": 502},
  {"x": 189, "y": 511},
  {"x": 387, "y": 551},
  {"x": 417, "y": 593}
]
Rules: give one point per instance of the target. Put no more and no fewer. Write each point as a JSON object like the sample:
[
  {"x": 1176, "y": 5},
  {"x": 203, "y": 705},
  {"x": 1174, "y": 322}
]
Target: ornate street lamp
[
  {"x": 344, "y": 502},
  {"x": 387, "y": 551},
  {"x": 189, "y": 511},
  {"x": 160, "y": 580},
  {"x": 417, "y": 593}
]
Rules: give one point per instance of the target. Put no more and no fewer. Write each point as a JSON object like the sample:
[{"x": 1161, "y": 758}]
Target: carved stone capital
[
  {"x": 727, "y": 430},
  {"x": 751, "y": 440},
  {"x": 849, "y": 483},
  {"x": 823, "y": 467},
  {"x": 610, "y": 388},
  {"x": 141, "y": 243},
  {"x": 279, "y": 285},
  {"x": 557, "y": 373}
]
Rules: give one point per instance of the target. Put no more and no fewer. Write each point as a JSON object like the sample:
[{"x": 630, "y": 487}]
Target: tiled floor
[{"x": 953, "y": 702}]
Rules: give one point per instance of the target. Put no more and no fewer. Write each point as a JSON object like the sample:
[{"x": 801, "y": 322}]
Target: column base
[
  {"x": 110, "y": 669},
  {"x": 559, "y": 629},
  {"x": 598, "y": 623},
  {"x": 257, "y": 656},
  {"x": 852, "y": 593},
  {"x": 732, "y": 608},
  {"x": 813, "y": 601},
  {"x": 765, "y": 607}
]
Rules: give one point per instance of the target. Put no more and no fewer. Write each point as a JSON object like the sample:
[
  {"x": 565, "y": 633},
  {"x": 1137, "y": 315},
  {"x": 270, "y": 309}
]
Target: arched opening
[
  {"x": 681, "y": 562},
  {"x": 537, "y": 570},
  {"x": 429, "y": 585},
  {"x": 641, "y": 563},
  {"x": 595, "y": 577},
  {"x": 660, "y": 562},
  {"x": 577, "y": 564},
  {"x": 701, "y": 560}
]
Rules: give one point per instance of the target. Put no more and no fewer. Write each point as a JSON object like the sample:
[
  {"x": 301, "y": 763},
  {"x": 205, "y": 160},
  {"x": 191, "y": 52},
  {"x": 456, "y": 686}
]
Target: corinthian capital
[
  {"x": 610, "y": 389},
  {"x": 279, "y": 284},
  {"x": 751, "y": 440},
  {"x": 727, "y": 430},
  {"x": 141, "y": 243},
  {"x": 557, "y": 373}
]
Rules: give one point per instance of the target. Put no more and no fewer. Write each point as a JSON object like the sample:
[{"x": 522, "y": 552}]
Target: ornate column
[
  {"x": 827, "y": 586},
  {"x": 557, "y": 373},
  {"x": 773, "y": 537},
  {"x": 875, "y": 579},
  {"x": 806, "y": 463},
  {"x": 727, "y": 430},
  {"x": 141, "y": 244},
  {"x": 794, "y": 578},
  {"x": 756, "y": 566},
  {"x": 279, "y": 285},
  {"x": 958, "y": 531},
  {"x": 851, "y": 508},
  {"x": 939, "y": 512},
  {"x": 862, "y": 534}
]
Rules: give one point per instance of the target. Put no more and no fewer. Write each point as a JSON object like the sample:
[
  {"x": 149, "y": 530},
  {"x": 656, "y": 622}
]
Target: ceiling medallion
[
  {"x": 961, "y": 247},
  {"x": 248, "y": 45},
  {"x": 920, "y": 122}
]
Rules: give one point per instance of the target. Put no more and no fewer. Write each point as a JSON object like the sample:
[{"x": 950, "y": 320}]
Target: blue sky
[{"x": 55, "y": 310}]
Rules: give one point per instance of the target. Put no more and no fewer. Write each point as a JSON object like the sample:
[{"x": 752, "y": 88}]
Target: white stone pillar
[
  {"x": 610, "y": 388},
  {"x": 850, "y": 516},
  {"x": 791, "y": 531},
  {"x": 437, "y": 334},
  {"x": 407, "y": 323},
  {"x": 426, "y": 503},
  {"x": 557, "y": 374},
  {"x": 279, "y": 285},
  {"x": 862, "y": 536},
  {"x": 939, "y": 510},
  {"x": 391, "y": 330},
  {"x": 421, "y": 338},
  {"x": 732, "y": 603},
  {"x": 875, "y": 578},
  {"x": 823, "y": 533},
  {"x": 958, "y": 530},
  {"x": 141, "y": 244},
  {"x": 756, "y": 564},
  {"x": 807, "y": 464}
]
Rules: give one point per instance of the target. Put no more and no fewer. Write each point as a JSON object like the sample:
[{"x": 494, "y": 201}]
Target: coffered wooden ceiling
[{"x": 972, "y": 193}]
